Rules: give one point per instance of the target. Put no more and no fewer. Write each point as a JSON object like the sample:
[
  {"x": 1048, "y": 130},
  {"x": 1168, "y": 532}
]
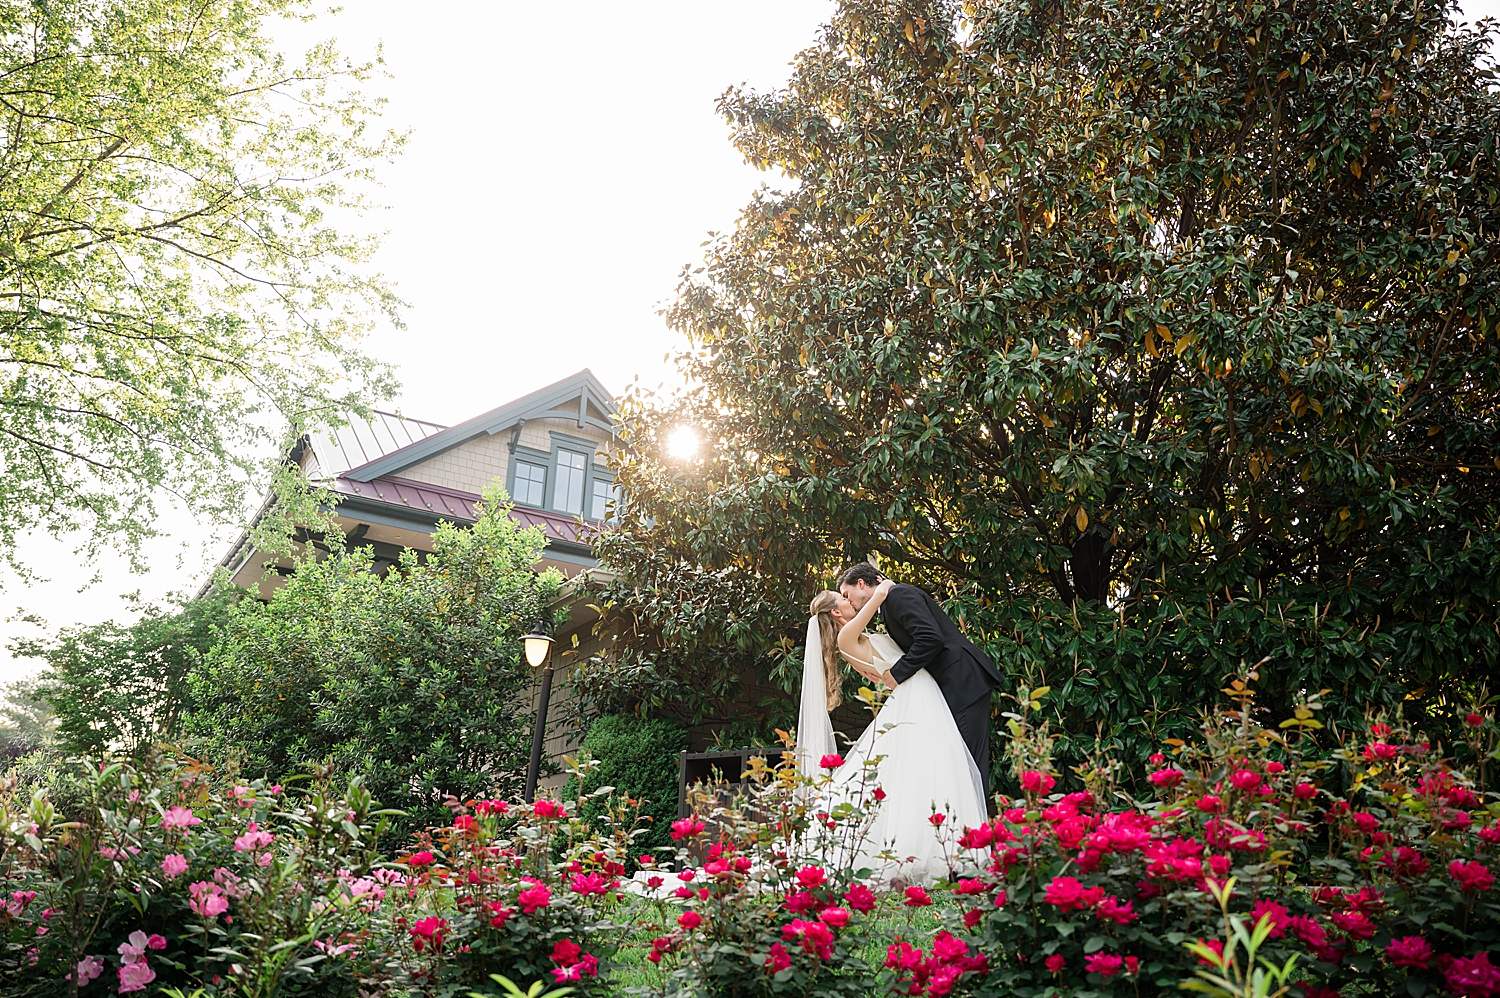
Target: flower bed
[{"x": 1368, "y": 869}]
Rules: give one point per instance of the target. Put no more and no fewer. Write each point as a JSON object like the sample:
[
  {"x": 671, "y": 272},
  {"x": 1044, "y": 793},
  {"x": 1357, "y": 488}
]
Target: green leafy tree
[
  {"x": 412, "y": 680},
  {"x": 123, "y": 688},
  {"x": 1154, "y": 338},
  {"x": 173, "y": 287}
]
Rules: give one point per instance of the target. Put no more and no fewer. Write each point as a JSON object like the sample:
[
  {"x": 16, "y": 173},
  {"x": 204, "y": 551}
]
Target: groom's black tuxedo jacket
[{"x": 933, "y": 642}]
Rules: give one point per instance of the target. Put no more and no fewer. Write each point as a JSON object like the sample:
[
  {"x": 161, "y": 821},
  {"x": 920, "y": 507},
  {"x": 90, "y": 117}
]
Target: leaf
[{"x": 1082, "y": 519}]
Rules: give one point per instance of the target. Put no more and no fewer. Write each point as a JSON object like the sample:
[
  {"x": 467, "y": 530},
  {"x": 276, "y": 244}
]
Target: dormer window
[
  {"x": 604, "y": 494},
  {"x": 572, "y": 473},
  {"x": 531, "y": 483}
]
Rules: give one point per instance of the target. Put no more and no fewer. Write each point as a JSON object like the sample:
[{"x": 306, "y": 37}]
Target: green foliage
[
  {"x": 289, "y": 871},
  {"x": 638, "y": 757},
  {"x": 412, "y": 680},
  {"x": 122, "y": 688},
  {"x": 170, "y": 269},
  {"x": 1151, "y": 338},
  {"x": 26, "y": 720}
]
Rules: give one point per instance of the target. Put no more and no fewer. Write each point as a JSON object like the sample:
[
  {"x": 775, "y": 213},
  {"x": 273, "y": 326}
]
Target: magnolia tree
[{"x": 1149, "y": 336}]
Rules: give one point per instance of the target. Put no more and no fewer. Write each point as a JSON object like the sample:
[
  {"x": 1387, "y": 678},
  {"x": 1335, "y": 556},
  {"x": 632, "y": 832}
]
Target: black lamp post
[{"x": 538, "y": 645}]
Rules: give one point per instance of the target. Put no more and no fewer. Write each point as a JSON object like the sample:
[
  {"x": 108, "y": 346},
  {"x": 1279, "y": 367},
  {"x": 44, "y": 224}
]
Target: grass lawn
[{"x": 637, "y": 974}]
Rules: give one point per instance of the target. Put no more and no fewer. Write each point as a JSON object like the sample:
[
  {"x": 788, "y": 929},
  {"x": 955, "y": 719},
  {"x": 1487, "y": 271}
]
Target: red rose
[
  {"x": 684, "y": 828},
  {"x": 1036, "y": 782},
  {"x": 860, "y": 897},
  {"x": 1471, "y": 876},
  {"x": 1409, "y": 951},
  {"x": 836, "y": 917},
  {"x": 1472, "y": 977}
]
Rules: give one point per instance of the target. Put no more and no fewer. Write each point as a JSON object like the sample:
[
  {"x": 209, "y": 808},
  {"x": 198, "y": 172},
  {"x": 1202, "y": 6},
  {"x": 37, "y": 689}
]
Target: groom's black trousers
[{"x": 974, "y": 727}]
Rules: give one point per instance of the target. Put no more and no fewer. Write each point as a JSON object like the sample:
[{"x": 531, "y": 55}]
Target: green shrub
[{"x": 638, "y": 757}]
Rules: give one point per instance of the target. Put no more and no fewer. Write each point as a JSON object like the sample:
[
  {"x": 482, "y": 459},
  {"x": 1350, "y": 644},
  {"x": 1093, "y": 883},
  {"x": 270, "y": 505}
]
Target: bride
[{"x": 920, "y": 760}]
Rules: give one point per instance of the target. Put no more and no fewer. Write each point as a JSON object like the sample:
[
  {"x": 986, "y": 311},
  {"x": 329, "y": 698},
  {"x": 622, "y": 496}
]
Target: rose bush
[
  {"x": 528, "y": 891},
  {"x": 777, "y": 905},
  {"x": 172, "y": 874},
  {"x": 1383, "y": 887}
]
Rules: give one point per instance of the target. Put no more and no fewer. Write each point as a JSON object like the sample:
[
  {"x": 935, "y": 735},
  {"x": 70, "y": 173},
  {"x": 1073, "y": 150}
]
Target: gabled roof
[
  {"x": 580, "y": 397},
  {"x": 360, "y": 442}
]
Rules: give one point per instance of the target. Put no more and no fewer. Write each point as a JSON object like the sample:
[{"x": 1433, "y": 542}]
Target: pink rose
[{"x": 176, "y": 817}]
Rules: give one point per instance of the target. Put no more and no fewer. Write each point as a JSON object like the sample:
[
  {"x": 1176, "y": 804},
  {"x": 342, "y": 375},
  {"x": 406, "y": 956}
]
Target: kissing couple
[{"x": 931, "y": 741}]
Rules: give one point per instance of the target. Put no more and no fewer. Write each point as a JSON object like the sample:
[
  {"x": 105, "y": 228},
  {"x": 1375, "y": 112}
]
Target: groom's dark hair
[{"x": 863, "y": 572}]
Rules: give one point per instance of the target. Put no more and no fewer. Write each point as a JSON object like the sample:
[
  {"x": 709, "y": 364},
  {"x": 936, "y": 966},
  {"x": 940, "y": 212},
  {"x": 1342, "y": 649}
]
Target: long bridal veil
[{"x": 814, "y": 729}]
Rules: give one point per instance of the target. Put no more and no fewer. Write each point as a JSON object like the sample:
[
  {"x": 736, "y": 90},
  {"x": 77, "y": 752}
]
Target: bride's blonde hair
[{"x": 828, "y": 633}]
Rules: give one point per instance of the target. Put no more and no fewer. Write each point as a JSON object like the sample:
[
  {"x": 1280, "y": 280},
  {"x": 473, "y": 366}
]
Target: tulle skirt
[{"x": 932, "y": 790}]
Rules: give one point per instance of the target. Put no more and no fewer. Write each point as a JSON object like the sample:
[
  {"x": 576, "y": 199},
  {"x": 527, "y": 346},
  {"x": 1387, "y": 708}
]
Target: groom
[{"x": 931, "y": 641}]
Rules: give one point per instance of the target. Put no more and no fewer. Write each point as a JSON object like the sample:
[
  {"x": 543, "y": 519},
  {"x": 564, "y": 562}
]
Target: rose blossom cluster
[
  {"x": 134, "y": 972},
  {"x": 933, "y": 972},
  {"x": 210, "y": 898},
  {"x": 573, "y": 964}
]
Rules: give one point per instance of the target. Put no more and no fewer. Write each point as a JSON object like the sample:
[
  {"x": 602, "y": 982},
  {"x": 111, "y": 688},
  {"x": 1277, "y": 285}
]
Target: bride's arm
[{"x": 850, "y": 632}]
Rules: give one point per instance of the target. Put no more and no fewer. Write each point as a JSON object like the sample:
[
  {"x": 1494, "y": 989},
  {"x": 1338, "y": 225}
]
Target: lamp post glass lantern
[
  {"x": 538, "y": 648},
  {"x": 537, "y": 645}
]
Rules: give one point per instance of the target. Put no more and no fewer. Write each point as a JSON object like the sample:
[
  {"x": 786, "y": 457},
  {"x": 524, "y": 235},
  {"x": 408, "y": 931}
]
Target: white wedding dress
[{"x": 923, "y": 767}]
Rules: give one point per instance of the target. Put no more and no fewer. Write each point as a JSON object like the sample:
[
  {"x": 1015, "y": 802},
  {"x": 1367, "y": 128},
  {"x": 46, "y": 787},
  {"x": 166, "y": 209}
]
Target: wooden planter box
[{"x": 699, "y": 767}]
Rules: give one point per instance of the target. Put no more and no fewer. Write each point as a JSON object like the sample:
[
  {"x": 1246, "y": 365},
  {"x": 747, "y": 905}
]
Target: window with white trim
[
  {"x": 605, "y": 494},
  {"x": 572, "y": 473},
  {"x": 531, "y": 484}
]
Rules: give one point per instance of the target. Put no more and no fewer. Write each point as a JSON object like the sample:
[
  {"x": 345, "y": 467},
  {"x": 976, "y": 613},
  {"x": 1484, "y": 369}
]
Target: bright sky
[{"x": 557, "y": 179}]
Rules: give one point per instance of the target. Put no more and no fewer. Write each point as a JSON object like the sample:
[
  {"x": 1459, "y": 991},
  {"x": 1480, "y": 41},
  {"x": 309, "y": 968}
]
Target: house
[{"x": 395, "y": 478}]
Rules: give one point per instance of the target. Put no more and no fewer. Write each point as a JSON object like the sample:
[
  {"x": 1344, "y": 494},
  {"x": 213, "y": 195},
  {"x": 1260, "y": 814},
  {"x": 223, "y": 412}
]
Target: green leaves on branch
[
  {"x": 1150, "y": 338},
  {"x": 173, "y": 289},
  {"x": 1226, "y": 978}
]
